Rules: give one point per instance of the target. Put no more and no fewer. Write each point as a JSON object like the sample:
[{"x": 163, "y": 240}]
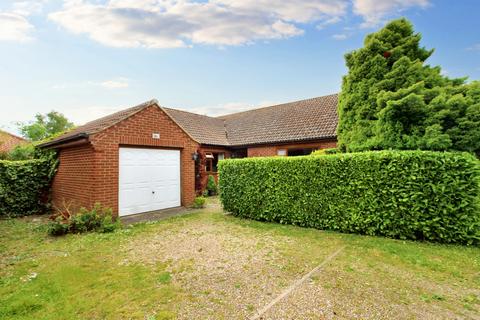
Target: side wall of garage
[{"x": 73, "y": 184}]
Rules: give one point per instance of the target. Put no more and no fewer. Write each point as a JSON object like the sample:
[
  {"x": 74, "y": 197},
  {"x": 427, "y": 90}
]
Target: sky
[{"x": 89, "y": 58}]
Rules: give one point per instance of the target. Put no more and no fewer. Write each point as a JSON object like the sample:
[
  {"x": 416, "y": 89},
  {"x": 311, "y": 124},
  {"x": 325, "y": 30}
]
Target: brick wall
[
  {"x": 265, "y": 151},
  {"x": 135, "y": 131},
  {"x": 8, "y": 141},
  {"x": 73, "y": 184},
  {"x": 269, "y": 150}
]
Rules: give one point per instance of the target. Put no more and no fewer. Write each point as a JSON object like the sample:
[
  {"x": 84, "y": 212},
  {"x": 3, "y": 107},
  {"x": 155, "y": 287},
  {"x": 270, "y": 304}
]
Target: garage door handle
[{"x": 153, "y": 192}]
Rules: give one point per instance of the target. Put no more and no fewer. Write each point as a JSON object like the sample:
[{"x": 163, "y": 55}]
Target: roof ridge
[
  {"x": 140, "y": 106},
  {"x": 276, "y": 105}
]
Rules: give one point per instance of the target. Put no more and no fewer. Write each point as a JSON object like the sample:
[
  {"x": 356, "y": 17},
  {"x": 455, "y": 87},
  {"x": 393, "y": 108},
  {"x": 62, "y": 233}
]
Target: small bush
[
  {"x": 98, "y": 219},
  {"x": 212, "y": 186},
  {"x": 199, "y": 202},
  {"x": 22, "y": 152},
  {"x": 400, "y": 194}
]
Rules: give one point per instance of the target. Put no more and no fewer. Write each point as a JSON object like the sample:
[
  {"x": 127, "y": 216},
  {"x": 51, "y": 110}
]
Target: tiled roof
[
  {"x": 295, "y": 121},
  {"x": 309, "y": 119},
  {"x": 100, "y": 124},
  {"x": 9, "y": 141},
  {"x": 203, "y": 129}
]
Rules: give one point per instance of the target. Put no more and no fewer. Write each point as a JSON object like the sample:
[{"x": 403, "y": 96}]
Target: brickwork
[
  {"x": 8, "y": 141},
  {"x": 73, "y": 185},
  {"x": 269, "y": 150}
]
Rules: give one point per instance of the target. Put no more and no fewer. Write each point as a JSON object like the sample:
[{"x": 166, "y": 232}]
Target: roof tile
[{"x": 309, "y": 119}]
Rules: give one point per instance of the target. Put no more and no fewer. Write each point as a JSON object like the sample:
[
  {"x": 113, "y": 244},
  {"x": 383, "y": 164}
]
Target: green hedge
[
  {"x": 400, "y": 194},
  {"x": 24, "y": 186}
]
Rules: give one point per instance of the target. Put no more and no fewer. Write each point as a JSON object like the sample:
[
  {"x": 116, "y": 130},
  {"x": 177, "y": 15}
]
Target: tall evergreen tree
[{"x": 391, "y": 99}]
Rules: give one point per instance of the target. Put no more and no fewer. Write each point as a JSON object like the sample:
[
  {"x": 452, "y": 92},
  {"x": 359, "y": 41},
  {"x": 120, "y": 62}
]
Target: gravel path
[
  {"x": 226, "y": 272},
  {"x": 229, "y": 271}
]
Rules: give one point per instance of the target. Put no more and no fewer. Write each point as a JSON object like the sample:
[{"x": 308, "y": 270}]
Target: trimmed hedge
[
  {"x": 24, "y": 186},
  {"x": 400, "y": 194}
]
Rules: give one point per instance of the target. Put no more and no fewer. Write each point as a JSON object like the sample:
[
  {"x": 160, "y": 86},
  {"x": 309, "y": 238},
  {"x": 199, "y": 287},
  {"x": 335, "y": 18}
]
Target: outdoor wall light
[{"x": 195, "y": 156}]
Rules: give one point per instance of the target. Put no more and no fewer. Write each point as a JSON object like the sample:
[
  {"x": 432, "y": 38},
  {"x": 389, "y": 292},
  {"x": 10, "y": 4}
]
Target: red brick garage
[{"x": 89, "y": 156}]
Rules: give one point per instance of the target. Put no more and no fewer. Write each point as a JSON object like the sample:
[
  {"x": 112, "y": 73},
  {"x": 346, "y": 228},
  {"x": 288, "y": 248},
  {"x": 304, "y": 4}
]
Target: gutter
[{"x": 79, "y": 138}]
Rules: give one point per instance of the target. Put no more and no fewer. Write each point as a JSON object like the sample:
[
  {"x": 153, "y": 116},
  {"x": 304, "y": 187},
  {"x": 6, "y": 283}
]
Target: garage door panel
[{"x": 149, "y": 179}]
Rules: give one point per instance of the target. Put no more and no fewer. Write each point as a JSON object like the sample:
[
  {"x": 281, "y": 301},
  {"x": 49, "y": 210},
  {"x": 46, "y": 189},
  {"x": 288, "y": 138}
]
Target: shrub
[
  {"x": 24, "y": 186},
  {"x": 212, "y": 186},
  {"x": 98, "y": 219},
  {"x": 22, "y": 152},
  {"x": 199, "y": 202},
  {"x": 325, "y": 151},
  {"x": 400, "y": 194}
]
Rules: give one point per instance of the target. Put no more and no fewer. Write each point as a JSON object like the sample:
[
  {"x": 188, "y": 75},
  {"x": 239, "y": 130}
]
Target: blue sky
[{"x": 88, "y": 58}]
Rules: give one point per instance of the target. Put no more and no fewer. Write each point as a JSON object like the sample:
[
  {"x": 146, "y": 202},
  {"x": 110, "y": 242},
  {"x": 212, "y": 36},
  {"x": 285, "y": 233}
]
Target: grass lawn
[{"x": 208, "y": 265}]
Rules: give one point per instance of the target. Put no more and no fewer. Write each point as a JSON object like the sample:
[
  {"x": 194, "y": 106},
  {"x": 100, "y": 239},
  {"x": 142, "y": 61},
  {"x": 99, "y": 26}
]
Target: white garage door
[{"x": 149, "y": 179}]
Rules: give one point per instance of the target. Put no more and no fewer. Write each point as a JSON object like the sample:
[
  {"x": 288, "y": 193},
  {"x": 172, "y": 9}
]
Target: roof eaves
[{"x": 52, "y": 143}]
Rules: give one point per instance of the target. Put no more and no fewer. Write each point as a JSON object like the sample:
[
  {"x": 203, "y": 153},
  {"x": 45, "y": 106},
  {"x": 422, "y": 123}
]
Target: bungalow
[{"x": 149, "y": 157}]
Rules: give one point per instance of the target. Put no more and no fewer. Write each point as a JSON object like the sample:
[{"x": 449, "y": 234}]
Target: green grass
[{"x": 92, "y": 276}]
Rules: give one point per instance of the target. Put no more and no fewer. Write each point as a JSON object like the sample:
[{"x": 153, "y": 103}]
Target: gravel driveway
[
  {"x": 226, "y": 271},
  {"x": 229, "y": 268}
]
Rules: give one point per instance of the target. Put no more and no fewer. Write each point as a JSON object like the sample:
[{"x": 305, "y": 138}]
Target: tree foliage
[
  {"x": 45, "y": 126},
  {"x": 391, "y": 99}
]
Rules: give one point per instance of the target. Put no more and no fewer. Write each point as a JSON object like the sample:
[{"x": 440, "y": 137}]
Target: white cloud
[
  {"x": 115, "y": 84},
  {"x": 322, "y": 25},
  {"x": 228, "y": 108},
  {"x": 170, "y": 23},
  {"x": 14, "y": 23},
  {"x": 374, "y": 12},
  {"x": 340, "y": 36},
  {"x": 27, "y": 8},
  {"x": 475, "y": 47},
  {"x": 15, "y": 27},
  {"x": 81, "y": 114}
]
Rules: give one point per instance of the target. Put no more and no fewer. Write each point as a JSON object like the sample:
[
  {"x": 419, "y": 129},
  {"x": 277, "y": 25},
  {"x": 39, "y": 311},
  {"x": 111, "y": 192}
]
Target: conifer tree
[{"x": 391, "y": 99}]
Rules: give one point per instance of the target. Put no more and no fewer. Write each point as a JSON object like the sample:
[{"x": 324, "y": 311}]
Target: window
[
  {"x": 211, "y": 161},
  {"x": 240, "y": 153},
  {"x": 281, "y": 152},
  {"x": 300, "y": 152},
  {"x": 208, "y": 165}
]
